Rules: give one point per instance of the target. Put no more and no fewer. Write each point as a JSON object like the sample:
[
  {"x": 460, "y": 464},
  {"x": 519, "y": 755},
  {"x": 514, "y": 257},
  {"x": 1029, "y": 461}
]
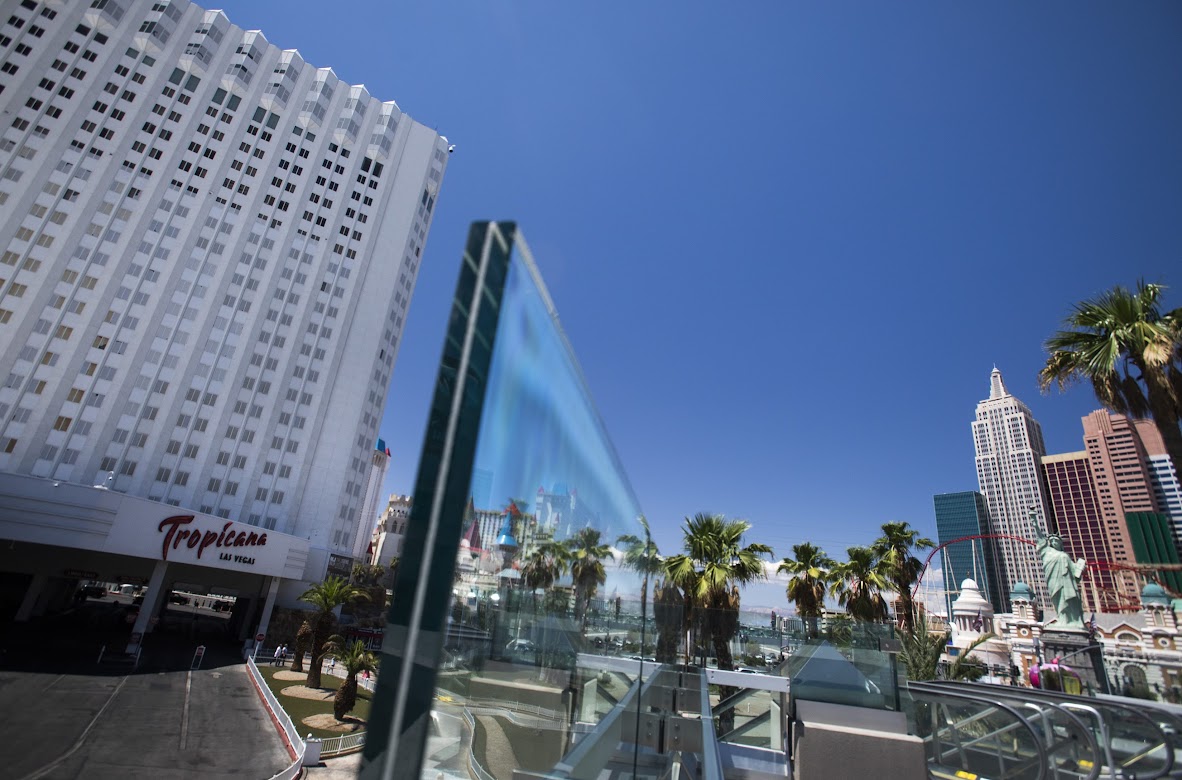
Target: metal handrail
[
  {"x": 1103, "y": 711},
  {"x": 473, "y": 761},
  {"x": 334, "y": 746},
  {"x": 516, "y": 706},
  {"x": 711, "y": 756},
  {"x": 1038, "y": 762},
  {"x": 1043, "y": 716}
]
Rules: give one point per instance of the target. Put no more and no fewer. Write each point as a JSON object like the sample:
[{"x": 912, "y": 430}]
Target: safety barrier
[
  {"x": 279, "y": 716},
  {"x": 338, "y": 746},
  {"x": 473, "y": 762}
]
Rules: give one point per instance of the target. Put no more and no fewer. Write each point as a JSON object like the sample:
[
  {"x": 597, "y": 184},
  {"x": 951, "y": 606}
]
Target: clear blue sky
[{"x": 788, "y": 241}]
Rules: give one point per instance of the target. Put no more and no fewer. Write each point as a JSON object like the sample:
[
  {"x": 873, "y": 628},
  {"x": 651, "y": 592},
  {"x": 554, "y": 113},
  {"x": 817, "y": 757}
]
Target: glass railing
[
  {"x": 522, "y": 618},
  {"x": 846, "y": 662}
]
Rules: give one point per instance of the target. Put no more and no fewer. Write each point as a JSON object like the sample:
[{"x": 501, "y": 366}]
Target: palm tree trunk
[
  {"x": 1165, "y": 415},
  {"x": 908, "y": 607},
  {"x": 722, "y": 652},
  {"x": 303, "y": 636},
  {"x": 320, "y": 634},
  {"x": 346, "y": 698}
]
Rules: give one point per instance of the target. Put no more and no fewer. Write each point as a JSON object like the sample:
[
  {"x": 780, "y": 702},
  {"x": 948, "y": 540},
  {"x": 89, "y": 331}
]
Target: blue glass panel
[{"x": 516, "y": 629}]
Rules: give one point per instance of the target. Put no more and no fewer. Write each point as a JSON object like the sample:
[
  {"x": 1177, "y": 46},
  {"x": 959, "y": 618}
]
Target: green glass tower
[
  {"x": 965, "y": 514},
  {"x": 1152, "y": 537}
]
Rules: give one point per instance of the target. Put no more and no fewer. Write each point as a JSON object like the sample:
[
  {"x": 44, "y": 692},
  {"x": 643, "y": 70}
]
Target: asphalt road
[{"x": 171, "y": 724}]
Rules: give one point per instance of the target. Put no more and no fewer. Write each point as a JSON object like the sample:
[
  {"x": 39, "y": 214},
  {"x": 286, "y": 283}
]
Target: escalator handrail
[
  {"x": 1000, "y": 706},
  {"x": 1110, "y": 705}
]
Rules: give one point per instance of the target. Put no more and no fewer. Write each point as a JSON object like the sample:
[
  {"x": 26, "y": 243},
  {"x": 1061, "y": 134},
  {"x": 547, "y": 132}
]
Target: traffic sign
[{"x": 259, "y": 637}]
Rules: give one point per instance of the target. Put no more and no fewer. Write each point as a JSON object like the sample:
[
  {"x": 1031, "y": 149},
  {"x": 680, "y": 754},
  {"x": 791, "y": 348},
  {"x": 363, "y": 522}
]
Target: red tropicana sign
[{"x": 196, "y": 539}]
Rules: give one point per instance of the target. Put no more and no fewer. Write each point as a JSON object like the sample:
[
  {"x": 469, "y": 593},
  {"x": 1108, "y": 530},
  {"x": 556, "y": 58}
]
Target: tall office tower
[
  {"x": 1166, "y": 489},
  {"x": 1120, "y": 467},
  {"x": 1152, "y": 539},
  {"x": 1009, "y": 447},
  {"x": 208, "y": 249},
  {"x": 964, "y": 514},
  {"x": 1077, "y": 516}
]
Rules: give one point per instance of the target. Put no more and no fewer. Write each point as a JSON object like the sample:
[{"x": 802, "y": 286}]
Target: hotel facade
[{"x": 207, "y": 251}]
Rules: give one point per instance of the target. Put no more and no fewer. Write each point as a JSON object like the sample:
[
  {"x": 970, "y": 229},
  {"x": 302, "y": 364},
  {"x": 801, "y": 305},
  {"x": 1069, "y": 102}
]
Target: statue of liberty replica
[
  {"x": 1068, "y": 635},
  {"x": 1063, "y": 577}
]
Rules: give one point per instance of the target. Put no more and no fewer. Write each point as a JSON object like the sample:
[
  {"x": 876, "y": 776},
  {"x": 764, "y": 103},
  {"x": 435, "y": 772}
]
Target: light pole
[
  {"x": 1038, "y": 659},
  {"x": 1103, "y": 675},
  {"x": 495, "y": 598}
]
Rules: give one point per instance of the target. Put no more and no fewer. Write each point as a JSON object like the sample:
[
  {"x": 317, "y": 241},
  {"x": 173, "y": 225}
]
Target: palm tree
[
  {"x": 808, "y": 580},
  {"x": 355, "y": 659},
  {"x": 372, "y": 580},
  {"x": 922, "y": 650},
  {"x": 587, "y": 554},
  {"x": 326, "y": 597},
  {"x": 709, "y": 572},
  {"x": 858, "y": 584},
  {"x": 1130, "y": 352},
  {"x": 642, "y": 557},
  {"x": 303, "y": 642},
  {"x": 966, "y": 669},
  {"x": 669, "y": 616},
  {"x": 544, "y": 564},
  {"x": 894, "y": 548}
]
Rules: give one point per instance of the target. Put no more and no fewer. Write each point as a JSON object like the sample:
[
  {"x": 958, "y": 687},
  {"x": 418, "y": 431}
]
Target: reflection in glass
[{"x": 516, "y": 627}]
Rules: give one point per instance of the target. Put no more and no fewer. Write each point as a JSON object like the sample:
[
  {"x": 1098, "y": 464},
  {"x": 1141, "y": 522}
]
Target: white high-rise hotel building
[
  {"x": 208, "y": 249},
  {"x": 1009, "y": 446}
]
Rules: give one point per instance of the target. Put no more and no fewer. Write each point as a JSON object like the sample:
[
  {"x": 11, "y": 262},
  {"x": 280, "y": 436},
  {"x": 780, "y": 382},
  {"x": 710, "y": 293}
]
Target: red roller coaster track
[
  {"x": 932, "y": 554},
  {"x": 1141, "y": 568}
]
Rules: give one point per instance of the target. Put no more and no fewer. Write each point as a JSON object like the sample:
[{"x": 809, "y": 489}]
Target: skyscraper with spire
[{"x": 1009, "y": 447}]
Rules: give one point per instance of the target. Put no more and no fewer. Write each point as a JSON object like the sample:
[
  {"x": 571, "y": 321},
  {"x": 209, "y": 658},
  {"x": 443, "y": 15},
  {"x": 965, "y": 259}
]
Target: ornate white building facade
[{"x": 1141, "y": 650}]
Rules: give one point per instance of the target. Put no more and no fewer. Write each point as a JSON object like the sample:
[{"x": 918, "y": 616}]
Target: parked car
[
  {"x": 176, "y": 598},
  {"x": 94, "y": 591},
  {"x": 520, "y": 646}
]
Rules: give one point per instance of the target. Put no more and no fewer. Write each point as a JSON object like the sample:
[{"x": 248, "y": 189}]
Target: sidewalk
[{"x": 343, "y": 768}]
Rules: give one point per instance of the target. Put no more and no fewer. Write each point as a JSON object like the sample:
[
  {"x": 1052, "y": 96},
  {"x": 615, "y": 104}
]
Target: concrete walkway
[
  {"x": 197, "y": 725},
  {"x": 343, "y": 768}
]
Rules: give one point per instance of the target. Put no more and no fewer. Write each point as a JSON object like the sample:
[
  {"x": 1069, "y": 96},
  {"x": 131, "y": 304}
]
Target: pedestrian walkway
[{"x": 343, "y": 768}]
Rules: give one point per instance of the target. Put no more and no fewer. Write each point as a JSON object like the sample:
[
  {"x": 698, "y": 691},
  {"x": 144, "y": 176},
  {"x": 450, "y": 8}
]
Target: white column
[
  {"x": 268, "y": 606},
  {"x": 148, "y": 608},
  {"x": 31, "y": 595}
]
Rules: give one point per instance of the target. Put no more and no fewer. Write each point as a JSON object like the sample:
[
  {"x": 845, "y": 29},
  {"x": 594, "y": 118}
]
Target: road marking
[
  {"x": 185, "y": 712},
  {"x": 54, "y": 764},
  {"x": 56, "y": 680}
]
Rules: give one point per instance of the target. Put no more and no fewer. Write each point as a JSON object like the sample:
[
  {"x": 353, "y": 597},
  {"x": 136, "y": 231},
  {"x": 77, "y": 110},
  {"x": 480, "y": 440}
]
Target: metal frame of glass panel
[{"x": 511, "y": 419}]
